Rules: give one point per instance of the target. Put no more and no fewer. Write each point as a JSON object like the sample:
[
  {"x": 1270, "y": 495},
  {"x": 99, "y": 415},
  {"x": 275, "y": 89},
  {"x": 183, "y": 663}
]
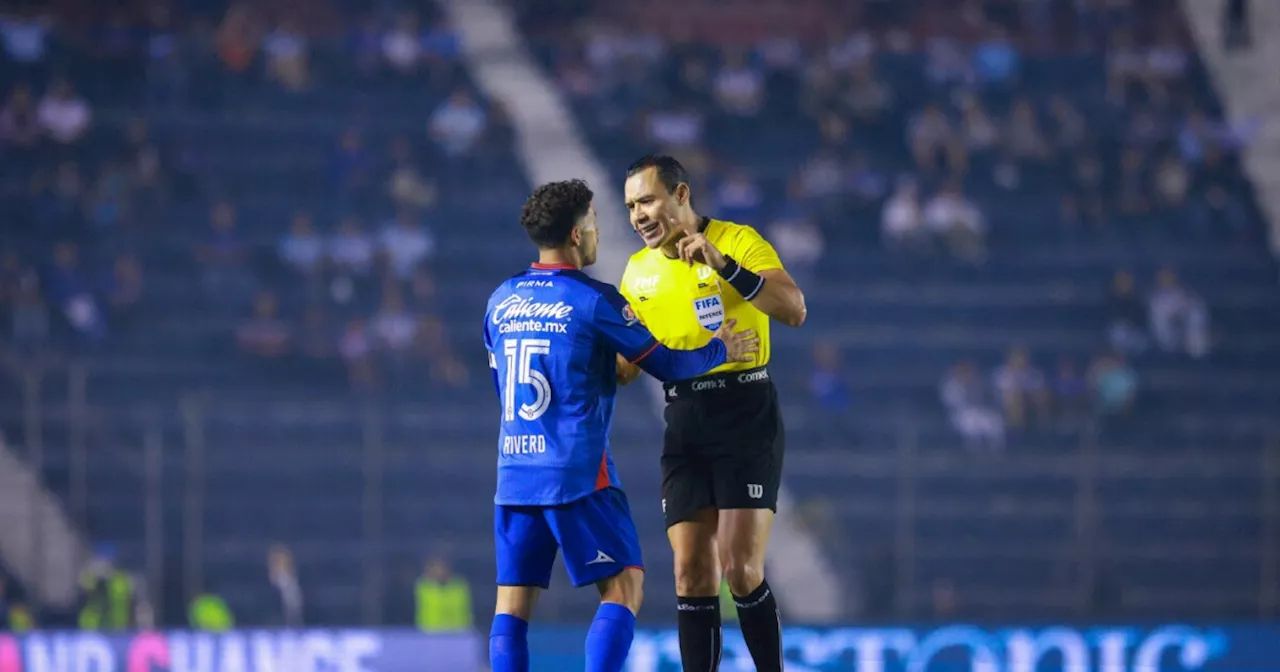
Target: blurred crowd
[
  {"x": 92, "y": 190},
  {"x": 87, "y": 186},
  {"x": 69, "y": 180},
  {"x": 1141, "y": 159}
]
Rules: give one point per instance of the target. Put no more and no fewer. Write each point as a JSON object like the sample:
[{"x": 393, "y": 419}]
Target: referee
[{"x": 723, "y": 446}]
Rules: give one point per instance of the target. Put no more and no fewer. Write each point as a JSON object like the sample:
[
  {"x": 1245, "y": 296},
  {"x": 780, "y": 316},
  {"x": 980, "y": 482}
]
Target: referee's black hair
[
  {"x": 552, "y": 210},
  {"x": 670, "y": 171}
]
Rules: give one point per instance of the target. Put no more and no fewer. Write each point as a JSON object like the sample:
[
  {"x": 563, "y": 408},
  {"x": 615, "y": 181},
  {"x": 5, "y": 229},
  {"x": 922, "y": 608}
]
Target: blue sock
[
  {"x": 609, "y": 639},
  {"x": 509, "y": 644}
]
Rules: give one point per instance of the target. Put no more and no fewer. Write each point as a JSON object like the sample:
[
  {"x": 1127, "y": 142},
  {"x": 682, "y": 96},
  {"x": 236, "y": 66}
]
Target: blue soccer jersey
[{"x": 553, "y": 334}]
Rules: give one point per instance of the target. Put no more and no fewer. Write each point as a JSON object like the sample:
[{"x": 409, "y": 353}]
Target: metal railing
[
  {"x": 1269, "y": 596},
  {"x": 62, "y": 464},
  {"x": 160, "y": 449}
]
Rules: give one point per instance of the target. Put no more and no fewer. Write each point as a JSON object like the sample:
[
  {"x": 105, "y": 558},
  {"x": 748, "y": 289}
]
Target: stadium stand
[
  {"x": 240, "y": 148},
  {"x": 298, "y": 393}
]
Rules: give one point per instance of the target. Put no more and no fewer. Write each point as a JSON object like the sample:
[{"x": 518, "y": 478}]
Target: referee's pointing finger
[{"x": 687, "y": 249}]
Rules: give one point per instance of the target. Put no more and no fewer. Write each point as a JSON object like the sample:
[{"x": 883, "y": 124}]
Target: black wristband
[{"x": 747, "y": 283}]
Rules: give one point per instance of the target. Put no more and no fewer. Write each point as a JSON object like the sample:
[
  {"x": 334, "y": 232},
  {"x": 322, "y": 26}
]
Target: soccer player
[
  {"x": 723, "y": 446},
  {"x": 553, "y": 336}
]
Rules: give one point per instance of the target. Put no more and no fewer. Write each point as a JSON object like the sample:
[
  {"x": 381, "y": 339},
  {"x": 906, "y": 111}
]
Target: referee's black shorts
[{"x": 723, "y": 444}]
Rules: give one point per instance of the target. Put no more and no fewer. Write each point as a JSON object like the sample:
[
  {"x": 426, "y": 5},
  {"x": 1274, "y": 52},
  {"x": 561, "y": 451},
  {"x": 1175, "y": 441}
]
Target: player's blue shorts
[{"x": 596, "y": 533}]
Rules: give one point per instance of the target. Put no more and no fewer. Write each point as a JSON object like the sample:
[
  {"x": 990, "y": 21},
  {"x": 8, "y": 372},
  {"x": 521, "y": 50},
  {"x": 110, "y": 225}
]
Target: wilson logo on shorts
[
  {"x": 710, "y": 312},
  {"x": 755, "y": 490}
]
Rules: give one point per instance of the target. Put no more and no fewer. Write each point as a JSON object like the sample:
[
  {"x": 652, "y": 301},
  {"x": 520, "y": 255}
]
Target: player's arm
[
  {"x": 758, "y": 276},
  {"x": 627, "y": 372},
  {"x": 637, "y": 347},
  {"x": 493, "y": 362}
]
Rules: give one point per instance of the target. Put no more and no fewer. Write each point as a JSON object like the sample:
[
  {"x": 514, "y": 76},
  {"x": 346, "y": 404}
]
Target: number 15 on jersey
[{"x": 519, "y": 354}]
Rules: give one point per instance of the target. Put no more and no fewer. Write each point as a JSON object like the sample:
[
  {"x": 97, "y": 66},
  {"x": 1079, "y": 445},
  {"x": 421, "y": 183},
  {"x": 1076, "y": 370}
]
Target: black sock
[
  {"x": 761, "y": 628},
  {"x": 699, "y": 624}
]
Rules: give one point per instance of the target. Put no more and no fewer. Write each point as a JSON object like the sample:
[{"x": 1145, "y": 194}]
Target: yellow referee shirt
[{"x": 683, "y": 305}]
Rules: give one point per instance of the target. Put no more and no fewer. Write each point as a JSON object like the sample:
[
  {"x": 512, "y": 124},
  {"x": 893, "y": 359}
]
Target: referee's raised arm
[
  {"x": 781, "y": 298},
  {"x": 772, "y": 290}
]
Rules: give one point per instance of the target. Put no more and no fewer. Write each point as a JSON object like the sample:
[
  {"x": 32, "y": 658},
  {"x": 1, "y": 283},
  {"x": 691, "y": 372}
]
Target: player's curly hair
[{"x": 552, "y": 210}]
